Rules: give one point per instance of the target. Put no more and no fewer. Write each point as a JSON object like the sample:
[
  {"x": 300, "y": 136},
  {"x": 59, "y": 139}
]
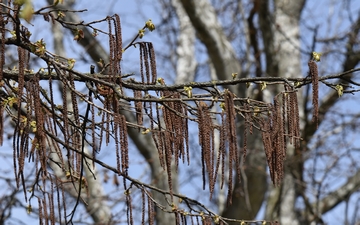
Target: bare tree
[{"x": 259, "y": 113}]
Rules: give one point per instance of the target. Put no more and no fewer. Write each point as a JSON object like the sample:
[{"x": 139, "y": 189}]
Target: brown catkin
[
  {"x": 124, "y": 145},
  {"x": 51, "y": 201},
  {"x": 267, "y": 143},
  {"x": 117, "y": 141},
  {"x": 296, "y": 121},
  {"x": 151, "y": 212},
  {"x": 129, "y": 213},
  {"x": 45, "y": 212},
  {"x": 158, "y": 136},
  {"x": 222, "y": 147},
  {"x": 118, "y": 35},
  {"x": 281, "y": 147},
  {"x": 248, "y": 128},
  {"x": 141, "y": 62},
  {"x": 289, "y": 102},
  {"x": 40, "y": 211},
  {"x": 145, "y": 54},
  {"x": 58, "y": 199},
  {"x": 231, "y": 139},
  {"x": 143, "y": 201},
  {"x": 2, "y": 46},
  {"x": 315, "y": 90},
  {"x": 186, "y": 134},
  {"x": 285, "y": 119},
  {"x": 40, "y": 120},
  {"x": 152, "y": 62},
  {"x": 206, "y": 137},
  {"x": 138, "y": 108},
  {"x": 112, "y": 48},
  {"x": 2, "y": 63}
]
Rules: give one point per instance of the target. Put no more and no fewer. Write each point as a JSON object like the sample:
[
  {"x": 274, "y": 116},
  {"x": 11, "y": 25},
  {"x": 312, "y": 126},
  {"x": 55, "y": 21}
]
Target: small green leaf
[
  {"x": 149, "y": 25},
  {"x": 28, "y": 209},
  {"x": 33, "y": 125},
  {"x": 222, "y": 106},
  {"x": 340, "y": 90},
  {"x": 316, "y": 56},
  {"x": 248, "y": 84},
  {"x": 256, "y": 111},
  {"x": 234, "y": 75},
  {"x": 40, "y": 47},
  {"x": 188, "y": 91},
  {"x": 71, "y": 63},
  {"x": 79, "y": 34},
  {"x": 263, "y": 85},
  {"x": 141, "y": 33},
  {"x": 146, "y": 131},
  {"x": 161, "y": 81},
  {"x": 95, "y": 33}
]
